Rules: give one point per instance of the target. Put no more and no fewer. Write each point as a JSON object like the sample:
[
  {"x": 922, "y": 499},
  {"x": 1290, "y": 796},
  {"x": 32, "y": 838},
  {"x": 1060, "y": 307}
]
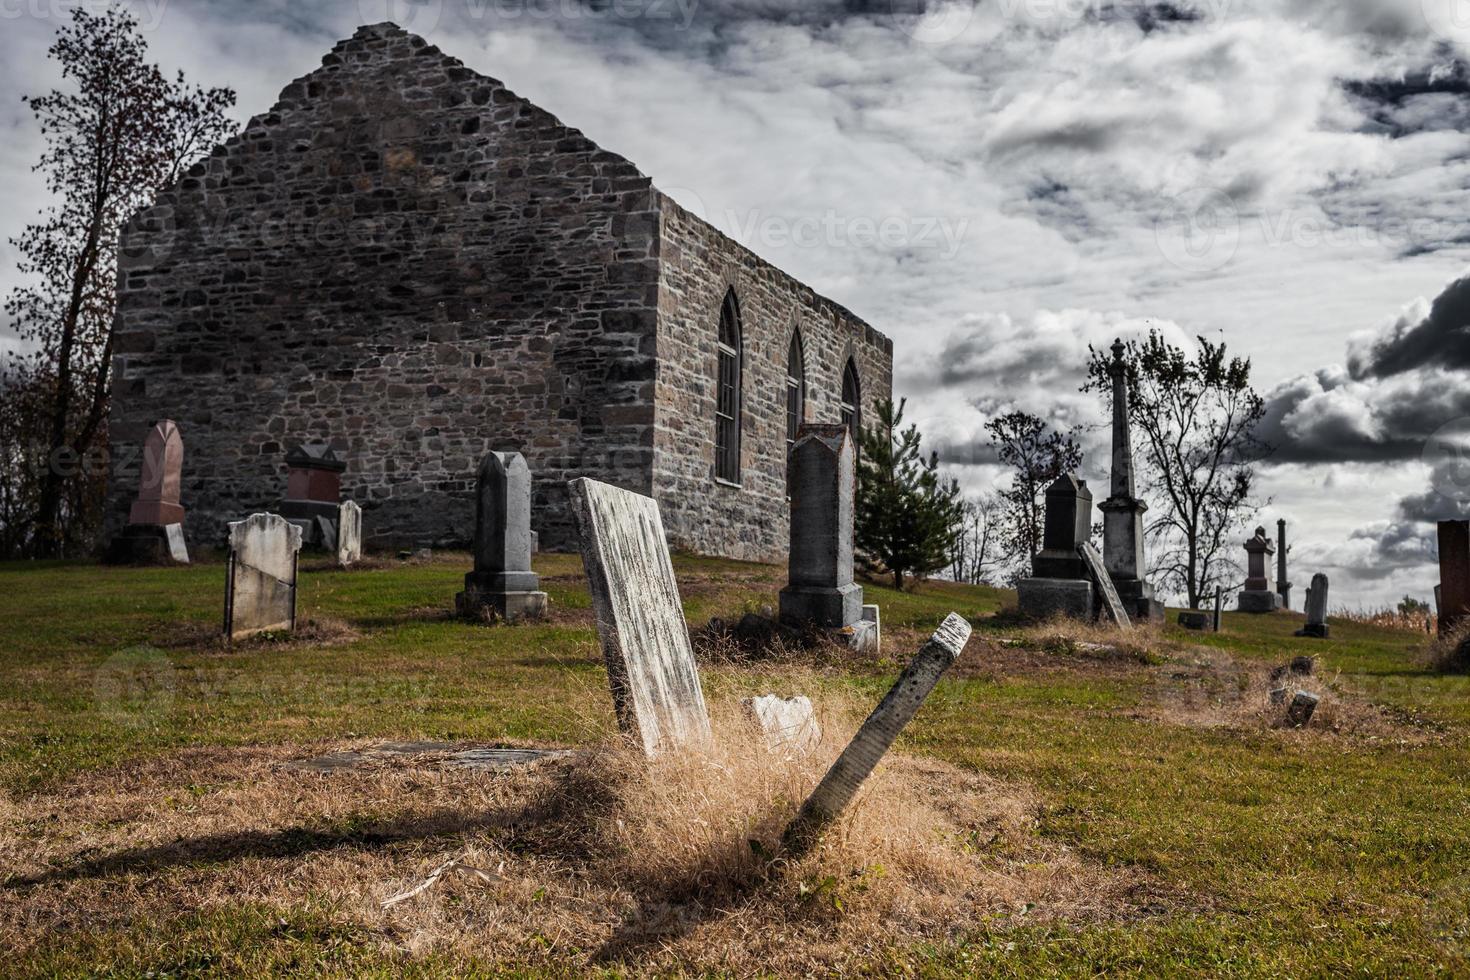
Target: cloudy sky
[{"x": 998, "y": 185}]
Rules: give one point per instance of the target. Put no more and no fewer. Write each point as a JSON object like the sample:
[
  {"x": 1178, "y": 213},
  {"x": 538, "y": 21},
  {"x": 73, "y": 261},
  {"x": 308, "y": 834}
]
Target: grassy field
[{"x": 1154, "y": 816}]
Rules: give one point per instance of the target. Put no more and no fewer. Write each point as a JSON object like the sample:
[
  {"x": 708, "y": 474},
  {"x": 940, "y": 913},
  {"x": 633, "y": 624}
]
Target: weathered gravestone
[
  {"x": 640, "y": 619},
  {"x": 821, "y": 591},
  {"x": 313, "y": 492},
  {"x": 349, "y": 533},
  {"x": 1453, "y": 594},
  {"x": 260, "y": 589},
  {"x": 1316, "y": 625},
  {"x": 1112, "y": 605},
  {"x": 873, "y": 740},
  {"x": 1219, "y": 607},
  {"x": 502, "y": 582},
  {"x": 1303, "y": 706},
  {"x": 155, "y": 529},
  {"x": 1257, "y": 596},
  {"x": 786, "y": 723},
  {"x": 1059, "y": 583}
]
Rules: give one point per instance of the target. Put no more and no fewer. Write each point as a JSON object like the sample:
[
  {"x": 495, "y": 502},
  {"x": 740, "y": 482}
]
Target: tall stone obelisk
[
  {"x": 1283, "y": 587},
  {"x": 1123, "y": 512}
]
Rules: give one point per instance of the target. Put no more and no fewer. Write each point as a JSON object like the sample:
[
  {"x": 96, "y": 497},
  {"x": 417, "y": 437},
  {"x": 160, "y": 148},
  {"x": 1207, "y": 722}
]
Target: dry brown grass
[
  {"x": 1209, "y": 689},
  {"x": 603, "y": 859},
  {"x": 1450, "y": 653},
  {"x": 313, "y": 632}
]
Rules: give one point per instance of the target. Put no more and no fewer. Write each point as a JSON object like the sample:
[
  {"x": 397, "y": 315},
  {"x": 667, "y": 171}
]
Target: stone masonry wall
[
  {"x": 698, "y": 264},
  {"x": 408, "y": 260}
]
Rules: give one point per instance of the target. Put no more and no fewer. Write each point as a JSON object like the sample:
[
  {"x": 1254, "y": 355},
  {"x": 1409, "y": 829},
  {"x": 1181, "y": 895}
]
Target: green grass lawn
[{"x": 1291, "y": 853}]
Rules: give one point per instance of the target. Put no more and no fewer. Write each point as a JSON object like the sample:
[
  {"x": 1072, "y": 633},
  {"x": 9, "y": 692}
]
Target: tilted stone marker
[
  {"x": 1257, "y": 596},
  {"x": 502, "y": 582},
  {"x": 1453, "y": 594},
  {"x": 260, "y": 590},
  {"x": 1112, "y": 606},
  {"x": 1303, "y": 706},
  {"x": 1316, "y": 609},
  {"x": 155, "y": 529},
  {"x": 640, "y": 619},
  {"x": 1059, "y": 583},
  {"x": 821, "y": 591},
  {"x": 786, "y": 723},
  {"x": 873, "y": 740},
  {"x": 349, "y": 534}
]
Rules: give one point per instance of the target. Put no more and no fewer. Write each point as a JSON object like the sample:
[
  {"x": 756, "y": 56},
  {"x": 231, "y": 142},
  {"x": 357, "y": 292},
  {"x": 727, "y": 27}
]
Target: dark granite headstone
[
  {"x": 1453, "y": 593},
  {"x": 823, "y": 477},
  {"x": 503, "y": 582}
]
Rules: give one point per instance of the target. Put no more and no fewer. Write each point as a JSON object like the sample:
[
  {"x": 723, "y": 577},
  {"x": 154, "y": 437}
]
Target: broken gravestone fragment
[
  {"x": 640, "y": 619},
  {"x": 1303, "y": 705},
  {"x": 842, "y": 782},
  {"x": 1112, "y": 606},
  {"x": 786, "y": 723}
]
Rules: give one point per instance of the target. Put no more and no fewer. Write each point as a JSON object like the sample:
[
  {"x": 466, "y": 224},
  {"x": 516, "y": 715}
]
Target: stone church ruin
[{"x": 409, "y": 263}]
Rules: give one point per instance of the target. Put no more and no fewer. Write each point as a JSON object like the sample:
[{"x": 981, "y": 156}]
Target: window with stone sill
[{"x": 727, "y": 399}]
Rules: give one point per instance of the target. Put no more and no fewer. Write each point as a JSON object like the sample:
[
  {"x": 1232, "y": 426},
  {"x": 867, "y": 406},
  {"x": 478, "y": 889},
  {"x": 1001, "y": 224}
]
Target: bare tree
[
  {"x": 1037, "y": 456},
  {"x": 119, "y": 132},
  {"x": 1197, "y": 412},
  {"x": 978, "y": 554}
]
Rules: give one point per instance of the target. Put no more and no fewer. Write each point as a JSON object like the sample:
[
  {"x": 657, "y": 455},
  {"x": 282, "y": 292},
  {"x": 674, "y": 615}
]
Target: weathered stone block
[
  {"x": 1194, "y": 619},
  {"x": 1043, "y": 598},
  {"x": 788, "y": 724}
]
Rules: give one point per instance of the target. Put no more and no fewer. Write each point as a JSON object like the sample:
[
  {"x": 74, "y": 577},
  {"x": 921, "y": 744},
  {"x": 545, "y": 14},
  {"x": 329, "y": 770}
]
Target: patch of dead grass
[{"x": 603, "y": 859}]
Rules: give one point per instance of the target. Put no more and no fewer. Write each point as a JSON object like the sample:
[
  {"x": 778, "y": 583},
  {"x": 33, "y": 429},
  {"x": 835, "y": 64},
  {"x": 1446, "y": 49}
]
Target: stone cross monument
[
  {"x": 821, "y": 591},
  {"x": 1123, "y": 511},
  {"x": 502, "y": 582},
  {"x": 1257, "y": 596},
  {"x": 155, "y": 530},
  {"x": 1283, "y": 587}
]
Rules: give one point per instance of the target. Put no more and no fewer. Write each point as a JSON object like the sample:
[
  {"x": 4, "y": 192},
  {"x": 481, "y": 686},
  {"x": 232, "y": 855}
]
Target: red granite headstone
[
  {"x": 158, "y": 490},
  {"x": 1454, "y": 573}
]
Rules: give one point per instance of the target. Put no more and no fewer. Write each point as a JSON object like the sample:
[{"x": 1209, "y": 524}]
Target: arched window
[
  {"x": 727, "y": 395},
  {"x": 795, "y": 390},
  {"x": 852, "y": 401}
]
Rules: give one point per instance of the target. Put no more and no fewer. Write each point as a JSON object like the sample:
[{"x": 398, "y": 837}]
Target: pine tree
[{"x": 908, "y": 519}]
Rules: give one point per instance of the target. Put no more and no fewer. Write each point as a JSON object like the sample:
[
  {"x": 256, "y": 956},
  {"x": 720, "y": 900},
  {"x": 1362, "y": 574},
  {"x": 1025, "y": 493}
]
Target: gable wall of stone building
[
  {"x": 408, "y": 260},
  {"x": 698, "y": 265}
]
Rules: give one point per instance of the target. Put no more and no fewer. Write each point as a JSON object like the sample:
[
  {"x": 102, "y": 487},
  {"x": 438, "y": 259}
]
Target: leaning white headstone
[
  {"x": 868, "y": 746},
  {"x": 786, "y": 723},
  {"x": 640, "y": 619},
  {"x": 1112, "y": 605},
  {"x": 349, "y": 533},
  {"x": 260, "y": 594}
]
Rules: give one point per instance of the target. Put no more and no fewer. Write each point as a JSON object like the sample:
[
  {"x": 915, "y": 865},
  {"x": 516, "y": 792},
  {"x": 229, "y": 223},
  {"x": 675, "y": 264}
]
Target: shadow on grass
[{"x": 288, "y": 842}]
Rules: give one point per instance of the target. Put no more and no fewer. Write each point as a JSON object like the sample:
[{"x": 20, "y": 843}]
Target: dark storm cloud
[
  {"x": 1330, "y": 417},
  {"x": 1442, "y": 338}
]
